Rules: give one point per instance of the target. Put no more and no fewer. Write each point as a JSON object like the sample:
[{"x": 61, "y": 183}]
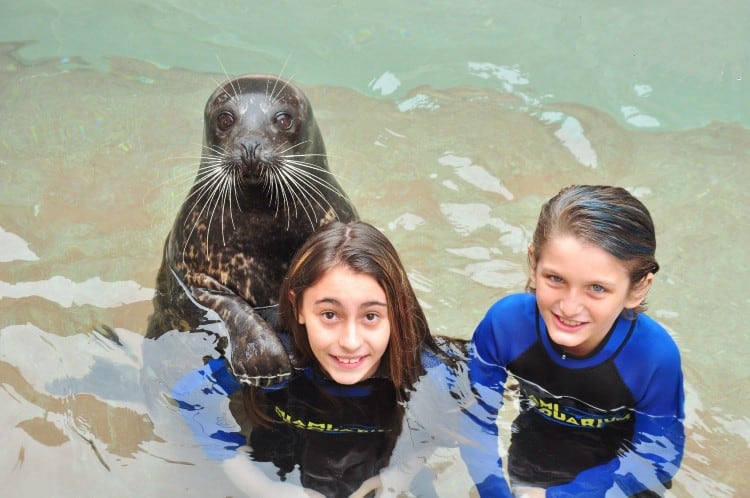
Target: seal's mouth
[
  {"x": 236, "y": 171},
  {"x": 252, "y": 172},
  {"x": 253, "y": 179},
  {"x": 251, "y": 157}
]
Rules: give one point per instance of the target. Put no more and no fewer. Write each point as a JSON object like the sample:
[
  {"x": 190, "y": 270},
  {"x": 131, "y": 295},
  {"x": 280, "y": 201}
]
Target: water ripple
[
  {"x": 67, "y": 293},
  {"x": 14, "y": 248}
]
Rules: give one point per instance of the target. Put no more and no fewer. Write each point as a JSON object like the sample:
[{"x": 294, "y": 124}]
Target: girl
[
  {"x": 360, "y": 341},
  {"x": 601, "y": 387}
]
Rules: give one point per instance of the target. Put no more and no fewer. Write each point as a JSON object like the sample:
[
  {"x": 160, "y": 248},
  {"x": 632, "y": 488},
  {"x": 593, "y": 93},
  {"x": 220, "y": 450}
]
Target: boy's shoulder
[
  {"x": 652, "y": 343},
  {"x": 514, "y": 307}
]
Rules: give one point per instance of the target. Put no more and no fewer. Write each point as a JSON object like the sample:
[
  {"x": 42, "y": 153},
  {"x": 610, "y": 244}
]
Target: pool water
[{"x": 447, "y": 126}]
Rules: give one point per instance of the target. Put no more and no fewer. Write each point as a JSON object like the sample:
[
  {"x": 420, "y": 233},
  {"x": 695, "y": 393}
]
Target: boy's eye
[
  {"x": 597, "y": 288},
  {"x": 555, "y": 279}
]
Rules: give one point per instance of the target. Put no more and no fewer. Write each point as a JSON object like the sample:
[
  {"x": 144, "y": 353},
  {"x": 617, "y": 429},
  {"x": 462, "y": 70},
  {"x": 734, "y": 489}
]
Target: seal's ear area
[
  {"x": 638, "y": 292},
  {"x": 305, "y": 109},
  {"x": 220, "y": 96}
]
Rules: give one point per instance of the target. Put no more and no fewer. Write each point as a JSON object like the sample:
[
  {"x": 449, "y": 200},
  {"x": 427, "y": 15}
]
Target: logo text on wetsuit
[
  {"x": 574, "y": 417},
  {"x": 323, "y": 426}
]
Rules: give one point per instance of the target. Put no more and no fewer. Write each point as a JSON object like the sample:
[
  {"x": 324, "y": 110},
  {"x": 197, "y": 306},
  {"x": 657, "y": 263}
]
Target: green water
[{"x": 679, "y": 65}]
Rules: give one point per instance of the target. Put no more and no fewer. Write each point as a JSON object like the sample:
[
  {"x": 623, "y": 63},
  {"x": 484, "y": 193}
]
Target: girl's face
[
  {"x": 346, "y": 317},
  {"x": 581, "y": 289}
]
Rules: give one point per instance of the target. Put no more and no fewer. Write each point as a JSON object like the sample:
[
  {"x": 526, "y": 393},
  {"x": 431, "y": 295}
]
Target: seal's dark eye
[
  {"x": 283, "y": 120},
  {"x": 225, "y": 120}
]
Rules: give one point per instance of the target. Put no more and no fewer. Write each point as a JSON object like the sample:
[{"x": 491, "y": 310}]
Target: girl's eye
[
  {"x": 371, "y": 317},
  {"x": 328, "y": 315},
  {"x": 555, "y": 279}
]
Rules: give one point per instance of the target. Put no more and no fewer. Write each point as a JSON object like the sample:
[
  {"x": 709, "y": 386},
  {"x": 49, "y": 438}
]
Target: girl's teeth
[{"x": 348, "y": 360}]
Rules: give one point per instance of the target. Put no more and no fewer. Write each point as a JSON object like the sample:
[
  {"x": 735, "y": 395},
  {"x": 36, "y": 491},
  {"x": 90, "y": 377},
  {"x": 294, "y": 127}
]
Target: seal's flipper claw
[{"x": 256, "y": 354}]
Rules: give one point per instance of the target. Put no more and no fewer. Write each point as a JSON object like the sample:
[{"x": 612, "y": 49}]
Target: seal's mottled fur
[{"x": 263, "y": 186}]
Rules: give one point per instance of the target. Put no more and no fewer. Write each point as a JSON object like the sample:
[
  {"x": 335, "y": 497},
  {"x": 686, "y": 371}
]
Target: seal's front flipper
[
  {"x": 201, "y": 280},
  {"x": 257, "y": 355}
]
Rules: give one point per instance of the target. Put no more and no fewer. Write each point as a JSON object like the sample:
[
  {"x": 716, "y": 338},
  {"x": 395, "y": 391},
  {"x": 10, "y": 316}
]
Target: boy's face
[{"x": 581, "y": 289}]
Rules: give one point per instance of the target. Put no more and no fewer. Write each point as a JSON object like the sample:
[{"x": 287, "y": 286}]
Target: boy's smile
[{"x": 581, "y": 289}]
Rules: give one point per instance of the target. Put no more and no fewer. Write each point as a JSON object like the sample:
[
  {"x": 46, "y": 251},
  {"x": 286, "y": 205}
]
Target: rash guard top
[
  {"x": 336, "y": 435},
  {"x": 607, "y": 423}
]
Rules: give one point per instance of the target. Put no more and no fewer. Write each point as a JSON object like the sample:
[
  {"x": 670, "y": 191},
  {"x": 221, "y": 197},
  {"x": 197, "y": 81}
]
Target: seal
[{"x": 262, "y": 187}]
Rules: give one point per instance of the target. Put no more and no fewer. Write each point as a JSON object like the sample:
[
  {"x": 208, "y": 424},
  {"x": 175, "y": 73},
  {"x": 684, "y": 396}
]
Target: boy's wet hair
[{"x": 608, "y": 217}]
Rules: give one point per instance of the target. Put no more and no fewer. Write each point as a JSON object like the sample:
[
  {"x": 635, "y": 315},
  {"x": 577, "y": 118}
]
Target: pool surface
[{"x": 447, "y": 126}]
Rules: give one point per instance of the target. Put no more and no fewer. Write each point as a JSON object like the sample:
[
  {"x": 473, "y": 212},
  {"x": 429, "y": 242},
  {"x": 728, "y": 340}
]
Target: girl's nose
[{"x": 350, "y": 338}]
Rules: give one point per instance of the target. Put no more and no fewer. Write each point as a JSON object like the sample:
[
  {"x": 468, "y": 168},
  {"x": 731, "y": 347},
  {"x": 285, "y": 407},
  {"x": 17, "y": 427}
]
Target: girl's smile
[{"x": 346, "y": 317}]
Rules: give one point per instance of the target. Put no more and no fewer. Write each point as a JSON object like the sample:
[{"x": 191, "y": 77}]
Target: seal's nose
[{"x": 250, "y": 152}]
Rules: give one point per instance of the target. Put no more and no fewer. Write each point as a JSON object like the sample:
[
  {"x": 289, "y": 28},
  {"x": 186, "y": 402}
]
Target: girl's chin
[{"x": 348, "y": 379}]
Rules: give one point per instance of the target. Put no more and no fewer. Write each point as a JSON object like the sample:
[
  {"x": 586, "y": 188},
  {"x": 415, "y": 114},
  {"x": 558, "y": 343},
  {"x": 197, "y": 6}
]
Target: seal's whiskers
[
  {"x": 215, "y": 187},
  {"x": 259, "y": 191},
  {"x": 274, "y": 95},
  {"x": 298, "y": 180},
  {"x": 287, "y": 186}
]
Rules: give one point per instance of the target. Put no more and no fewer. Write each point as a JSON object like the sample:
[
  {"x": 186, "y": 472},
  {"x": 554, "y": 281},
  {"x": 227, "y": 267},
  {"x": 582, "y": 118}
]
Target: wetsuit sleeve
[
  {"x": 652, "y": 369},
  {"x": 202, "y": 398},
  {"x": 487, "y": 376}
]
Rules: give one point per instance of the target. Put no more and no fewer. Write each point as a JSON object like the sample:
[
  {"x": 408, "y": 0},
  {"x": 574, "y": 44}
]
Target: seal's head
[
  {"x": 262, "y": 187},
  {"x": 260, "y": 133}
]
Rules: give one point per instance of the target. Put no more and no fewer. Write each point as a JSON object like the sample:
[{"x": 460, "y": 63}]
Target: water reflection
[
  {"x": 77, "y": 395},
  {"x": 82, "y": 208},
  {"x": 476, "y": 175},
  {"x": 67, "y": 293},
  {"x": 468, "y": 218},
  {"x": 14, "y": 248}
]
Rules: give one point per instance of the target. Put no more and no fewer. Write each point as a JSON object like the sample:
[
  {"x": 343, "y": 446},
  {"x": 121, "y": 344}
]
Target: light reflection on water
[
  {"x": 67, "y": 293},
  {"x": 94, "y": 165}
]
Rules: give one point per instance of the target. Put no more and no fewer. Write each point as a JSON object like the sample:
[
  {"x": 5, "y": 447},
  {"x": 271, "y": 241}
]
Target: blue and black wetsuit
[
  {"x": 609, "y": 421},
  {"x": 336, "y": 435}
]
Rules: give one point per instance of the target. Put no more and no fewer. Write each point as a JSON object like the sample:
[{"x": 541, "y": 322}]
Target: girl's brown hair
[{"x": 362, "y": 248}]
